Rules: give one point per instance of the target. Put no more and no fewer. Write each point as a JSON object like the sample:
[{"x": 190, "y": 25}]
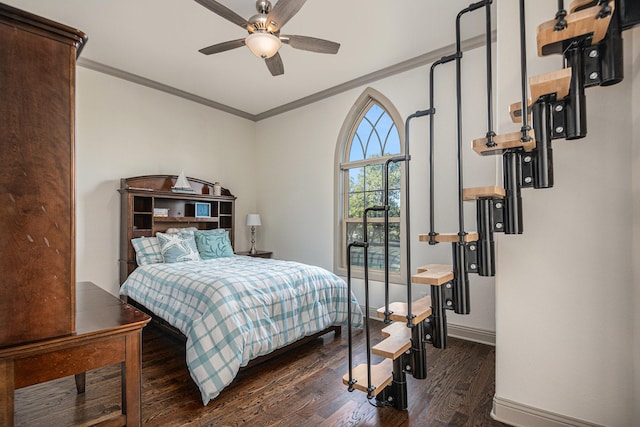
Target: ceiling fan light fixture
[{"x": 262, "y": 44}]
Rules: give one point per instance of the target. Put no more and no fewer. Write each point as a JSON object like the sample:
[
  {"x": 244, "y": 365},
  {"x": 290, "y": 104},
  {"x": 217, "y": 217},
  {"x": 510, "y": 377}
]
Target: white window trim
[{"x": 355, "y": 113}]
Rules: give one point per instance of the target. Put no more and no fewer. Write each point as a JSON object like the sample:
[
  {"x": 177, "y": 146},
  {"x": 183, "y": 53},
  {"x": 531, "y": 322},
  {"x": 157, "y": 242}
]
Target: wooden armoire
[{"x": 37, "y": 176}]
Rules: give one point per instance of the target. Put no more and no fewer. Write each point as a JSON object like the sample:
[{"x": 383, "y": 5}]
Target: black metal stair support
[
  {"x": 542, "y": 155},
  {"x": 511, "y": 166},
  {"x": 629, "y": 13},
  {"x": 438, "y": 319},
  {"x": 419, "y": 350},
  {"x": 395, "y": 394},
  {"x": 610, "y": 52},
  {"x": 461, "y": 303},
  {"x": 576, "y": 102},
  {"x": 486, "y": 244}
]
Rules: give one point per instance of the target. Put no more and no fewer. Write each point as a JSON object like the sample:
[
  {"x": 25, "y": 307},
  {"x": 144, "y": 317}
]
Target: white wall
[
  {"x": 564, "y": 288},
  {"x": 124, "y": 129},
  {"x": 297, "y": 153},
  {"x": 635, "y": 179}
]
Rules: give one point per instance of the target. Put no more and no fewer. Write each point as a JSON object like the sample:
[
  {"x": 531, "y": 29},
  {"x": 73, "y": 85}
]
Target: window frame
[{"x": 343, "y": 147}]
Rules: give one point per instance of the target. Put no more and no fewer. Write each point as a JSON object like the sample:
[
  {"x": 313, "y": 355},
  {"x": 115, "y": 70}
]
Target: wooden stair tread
[
  {"x": 580, "y": 23},
  {"x": 397, "y": 329},
  {"x": 488, "y": 192},
  {"x": 392, "y": 347},
  {"x": 504, "y": 142},
  {"x": 580, "y": 4},
  {"x": 421, "y": 308},
  {"x": 515, "y": 111},
  {"x": 557, "y": 82},
  {"x": 449, "y": 237},
  {"x": 381, "y": 376},
  {"x": 433, "y": 274}
]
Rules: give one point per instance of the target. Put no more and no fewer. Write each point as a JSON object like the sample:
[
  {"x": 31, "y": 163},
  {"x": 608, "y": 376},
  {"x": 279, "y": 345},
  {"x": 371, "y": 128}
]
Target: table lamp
[{"x": 253, "y": 221}]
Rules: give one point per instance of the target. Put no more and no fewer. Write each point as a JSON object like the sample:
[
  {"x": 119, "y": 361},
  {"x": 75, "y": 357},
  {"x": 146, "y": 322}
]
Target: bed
[{"x": 231, "y": 309}]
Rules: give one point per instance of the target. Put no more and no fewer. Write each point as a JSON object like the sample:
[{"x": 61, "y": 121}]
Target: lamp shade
[
  {"x": 262, "y": 44},
  {"x": 253, "y": 220}
]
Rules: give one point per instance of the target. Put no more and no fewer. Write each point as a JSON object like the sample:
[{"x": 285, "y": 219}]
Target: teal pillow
[
  {"x": 178, "y": 247},
  {"x": 213, "y": 243}
]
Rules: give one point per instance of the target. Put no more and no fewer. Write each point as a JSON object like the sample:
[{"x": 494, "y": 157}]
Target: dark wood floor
[{"x": 303, "y": 388}]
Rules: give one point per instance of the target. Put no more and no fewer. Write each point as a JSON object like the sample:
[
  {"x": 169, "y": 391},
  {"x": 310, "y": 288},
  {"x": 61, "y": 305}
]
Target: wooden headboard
[{"x": 149, "y": 204}]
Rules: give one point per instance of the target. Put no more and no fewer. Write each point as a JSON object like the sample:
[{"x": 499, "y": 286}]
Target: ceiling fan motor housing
[
  {"x": 259, "y": 22},
  {"x": 263, "y": 6}
]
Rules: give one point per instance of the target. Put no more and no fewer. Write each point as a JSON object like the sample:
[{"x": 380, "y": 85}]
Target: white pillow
[{"x": 178, "y": 247}]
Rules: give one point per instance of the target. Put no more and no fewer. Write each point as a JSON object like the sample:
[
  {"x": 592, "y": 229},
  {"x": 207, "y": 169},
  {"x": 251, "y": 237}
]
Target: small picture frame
[{"x": 203, "y": 210}]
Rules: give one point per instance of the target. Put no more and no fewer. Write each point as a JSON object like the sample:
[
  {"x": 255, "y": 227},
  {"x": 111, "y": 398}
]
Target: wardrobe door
[{"x": 37, "y": 180}]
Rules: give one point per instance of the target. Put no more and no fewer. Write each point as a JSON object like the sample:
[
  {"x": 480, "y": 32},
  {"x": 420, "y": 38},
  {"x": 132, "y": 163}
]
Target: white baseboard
[
  {"x": 518, "y": 414},
  {"x": 463, "y": 332}
]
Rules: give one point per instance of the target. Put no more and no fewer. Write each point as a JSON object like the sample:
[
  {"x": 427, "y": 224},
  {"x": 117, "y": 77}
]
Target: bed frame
[{"x": 140, "y": 195}]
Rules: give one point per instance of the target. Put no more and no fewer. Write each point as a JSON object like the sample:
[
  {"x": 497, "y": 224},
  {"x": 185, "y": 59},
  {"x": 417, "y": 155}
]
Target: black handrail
[
  {"x": 523, "y": 77},
  {"x": 490, "y": 132},
  {"x": 432, "y": 111}
]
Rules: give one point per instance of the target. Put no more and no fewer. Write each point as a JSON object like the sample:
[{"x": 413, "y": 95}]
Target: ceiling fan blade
[
  {"x": 284, "y": 10},
  {"x": 225, "y": 12},
  {"x": 275, "y": 65},
  {"x": 311, "y": 44},
  {"x": 222, "y": 47}
]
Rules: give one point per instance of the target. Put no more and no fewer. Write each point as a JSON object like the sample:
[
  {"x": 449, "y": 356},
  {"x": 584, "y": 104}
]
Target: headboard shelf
[
  {"x": 162, "y": 184},
  {"x": 149, "y": 206}
]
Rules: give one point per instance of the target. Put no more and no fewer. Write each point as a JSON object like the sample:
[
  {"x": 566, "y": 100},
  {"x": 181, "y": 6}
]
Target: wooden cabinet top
[
  {"x": 42, "y": 26},
  {"x": 160, "y": 185}
]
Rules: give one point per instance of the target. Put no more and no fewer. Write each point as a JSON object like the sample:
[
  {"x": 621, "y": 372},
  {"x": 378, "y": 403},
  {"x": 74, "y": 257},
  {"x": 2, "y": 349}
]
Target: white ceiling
[{"x": 159, "y": 41}]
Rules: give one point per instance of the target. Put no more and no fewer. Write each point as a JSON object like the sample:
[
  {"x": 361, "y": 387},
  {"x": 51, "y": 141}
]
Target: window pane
[
  {"x": 356, "y": 179},
  {"x": 356, "y": 205},
  {"x": 394, "y": 176},
  {"x": 373, "y": 174},
  {"x": 375, "y": 198},
  {"x": 375, "y": 250},
  {"x": 394, "y": 203},
  {"x": 363, "y": 134},
  {"x": 394, "y": 235},
  {"x": 392, "y": 145},
  {"x": 354, "y": 232},
  {"x": 357, "y": 151}
]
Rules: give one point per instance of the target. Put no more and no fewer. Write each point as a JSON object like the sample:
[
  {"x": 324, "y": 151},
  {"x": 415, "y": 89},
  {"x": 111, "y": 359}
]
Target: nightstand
[{"x": 258, "y": 254}]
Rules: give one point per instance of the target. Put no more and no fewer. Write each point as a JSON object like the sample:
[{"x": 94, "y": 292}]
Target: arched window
[{"x": 370, "y": 135}]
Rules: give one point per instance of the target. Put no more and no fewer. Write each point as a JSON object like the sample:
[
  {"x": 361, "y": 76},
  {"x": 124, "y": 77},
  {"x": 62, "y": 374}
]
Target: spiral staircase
[{"x": 589, "y": 38}]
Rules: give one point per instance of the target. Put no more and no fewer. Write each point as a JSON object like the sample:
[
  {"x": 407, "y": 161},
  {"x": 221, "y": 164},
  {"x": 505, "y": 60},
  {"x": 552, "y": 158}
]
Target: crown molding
[{"x": 401, "y": 67}]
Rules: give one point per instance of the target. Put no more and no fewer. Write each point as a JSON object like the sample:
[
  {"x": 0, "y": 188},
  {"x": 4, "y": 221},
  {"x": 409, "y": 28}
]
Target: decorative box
[{"x": 163, "y": 212}]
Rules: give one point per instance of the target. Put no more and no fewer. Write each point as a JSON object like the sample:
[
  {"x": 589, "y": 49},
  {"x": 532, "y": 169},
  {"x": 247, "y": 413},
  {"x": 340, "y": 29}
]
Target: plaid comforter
[{"x": 235, "y": 309}]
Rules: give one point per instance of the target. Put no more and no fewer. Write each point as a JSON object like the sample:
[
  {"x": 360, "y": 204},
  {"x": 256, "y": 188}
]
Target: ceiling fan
[{"x": 264, "y": 38}]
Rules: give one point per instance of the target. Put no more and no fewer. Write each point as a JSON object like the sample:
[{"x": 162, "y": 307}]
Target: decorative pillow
[
  {"x": 178, "y": 247},
  {"x": 213, "y": 243},
  {"x": 147, "y": 250},
  {"x": 180, "y": 230}
]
